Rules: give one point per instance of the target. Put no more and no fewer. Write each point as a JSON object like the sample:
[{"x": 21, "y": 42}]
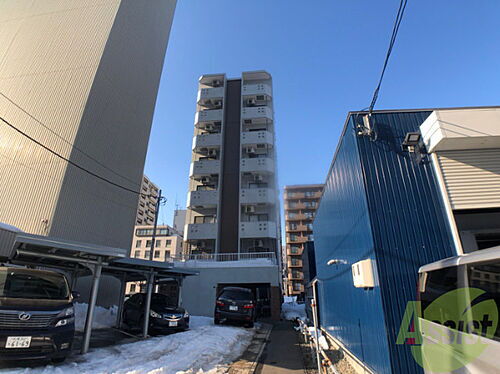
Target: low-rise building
[{"x": 405, "y": 188}]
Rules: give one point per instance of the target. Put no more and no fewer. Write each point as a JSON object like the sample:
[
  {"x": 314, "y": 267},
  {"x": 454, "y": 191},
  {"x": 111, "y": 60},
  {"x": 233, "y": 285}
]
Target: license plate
[
  {"x": 18, "y": 342},
  {"x": 172, "y": 323},
  {"x": 232, "y": 307}
]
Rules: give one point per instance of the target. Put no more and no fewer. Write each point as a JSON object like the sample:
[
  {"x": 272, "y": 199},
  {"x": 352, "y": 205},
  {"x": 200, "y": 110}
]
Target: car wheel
[
  {"x": 58, "y": 360},
  {"x": 216, "y": 321},
  {"x": 249, "y": 325}
]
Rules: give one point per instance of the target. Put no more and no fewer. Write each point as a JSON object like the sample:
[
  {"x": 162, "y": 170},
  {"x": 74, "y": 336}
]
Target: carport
[{"x": 83, "y": 259}]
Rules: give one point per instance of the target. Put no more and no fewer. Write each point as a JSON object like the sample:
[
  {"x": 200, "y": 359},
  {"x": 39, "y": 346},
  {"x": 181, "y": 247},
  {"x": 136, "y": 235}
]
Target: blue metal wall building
[{"x": 378, "y": 203}]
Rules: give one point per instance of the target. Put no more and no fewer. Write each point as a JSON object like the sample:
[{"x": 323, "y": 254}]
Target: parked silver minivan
[{"x": 460, "y": 300}]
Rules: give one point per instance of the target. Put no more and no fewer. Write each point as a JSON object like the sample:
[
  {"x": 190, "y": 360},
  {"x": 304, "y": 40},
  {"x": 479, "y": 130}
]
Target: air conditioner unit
[
  {"x": 217, "y": 83},
  {"x": 259, "y": 243},
  {"x": 217, "y": 102},
  {"x": 209, "y": 127},
  {"x": 251, "y": 102},
  {"x": 205, "y": 180},
  {"x": 362, "y": 274},
  {"x": 258, "y": 178},
  {"x": 249, "y": 209},
  {"x": 251, "y": 150},
  {"x": 212, "y": 152}
]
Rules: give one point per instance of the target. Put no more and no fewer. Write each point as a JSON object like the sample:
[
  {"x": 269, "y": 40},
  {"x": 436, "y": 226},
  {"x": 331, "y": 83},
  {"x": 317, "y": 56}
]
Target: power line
[
  {"x": 395, "y": 29},
  {"x": 71, "y": 162},
  {"x": 65, "y": 140}
]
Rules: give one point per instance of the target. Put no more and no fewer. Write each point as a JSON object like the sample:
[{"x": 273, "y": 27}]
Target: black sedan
[
  {"x": 164, "y": 315},
  {"x": 235, "y": 304}
]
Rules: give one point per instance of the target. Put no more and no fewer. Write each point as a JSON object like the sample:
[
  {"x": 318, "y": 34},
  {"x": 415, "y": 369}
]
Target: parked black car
[
  {"x": 235, "y": 304},
  {"x": 37, "y": 317},
  {"x": 164, "y": 316}
]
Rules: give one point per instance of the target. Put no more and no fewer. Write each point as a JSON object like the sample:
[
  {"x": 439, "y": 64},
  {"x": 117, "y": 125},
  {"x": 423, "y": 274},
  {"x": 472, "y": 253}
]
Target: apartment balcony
[
  {"x": 295, "y": 275},
  {"x": 302, "y": 195},
  {"x": 257, "y": 112},
  {"x": 203, "y": 168},
  {"x": 208, "y": 116},
  {"x": 297, "y": 206},
  {"x": 294, "y": 264},
  {"x": 256, "y": 89},
  {"x": 200, "y": 231},
  {"x": 210, "y": 94},
  {"x": 257, "y": 137},
  {"x": 298, "y": 240},
  {"x": 203, "y": 199},
  {"x": 263, "y": 229},
  {"x": 257, "y": 196},
  {"x": 206, "y": 141},
  {"x": 297, "y": 217},
  {"x": 259, "y": 165},
  {"x": 297, "y": 228}
]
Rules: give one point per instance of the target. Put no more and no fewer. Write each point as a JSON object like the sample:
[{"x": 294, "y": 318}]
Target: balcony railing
[
  {"x": 207, "y": 140},
  {"x": 257, "y": 165},
  {"x": 200, "y": 231},
  {"x": 204, "y": 167},
  {"x": 257, "y": 137},
  {"x": 257, "y": 196},
  {"x": 256, "y": 112},
  {"x": 256, "y": 89},
  {"x": 260, "y": 229},
  {"x": 205, "y": 199},
  {"x": 225, "y": 257},
  {"x": 210, "y": 93},
  {"x": 208, "y": 116}
]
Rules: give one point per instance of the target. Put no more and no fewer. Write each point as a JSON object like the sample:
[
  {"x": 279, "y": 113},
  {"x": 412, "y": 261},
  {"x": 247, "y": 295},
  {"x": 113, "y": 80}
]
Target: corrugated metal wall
[
  {"x": 379, "y": 203},
  {"x": 342, "y": 231},
  {"x": 407, "y": 218},
  {"x": 472, "y": 177}
]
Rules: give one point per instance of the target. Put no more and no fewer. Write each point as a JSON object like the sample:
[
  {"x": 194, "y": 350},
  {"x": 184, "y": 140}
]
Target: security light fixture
[
  {"x": 335, "y": 261},
  {"x": 412, "y": 140}
]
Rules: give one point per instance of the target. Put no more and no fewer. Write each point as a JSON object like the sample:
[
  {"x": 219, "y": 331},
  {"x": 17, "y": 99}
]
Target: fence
[{"x": 222, "y": 257}]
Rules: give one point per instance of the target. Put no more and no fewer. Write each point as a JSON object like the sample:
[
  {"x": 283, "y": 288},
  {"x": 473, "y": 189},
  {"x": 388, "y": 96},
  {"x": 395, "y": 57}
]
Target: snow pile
[
  {"x": 321, "y": 338},
  {"x": 103, "y": 318},
  {"x": 204, "y": 349},
  {"x": 290, "y": 299},
  {"x": 292, "y": 311}
]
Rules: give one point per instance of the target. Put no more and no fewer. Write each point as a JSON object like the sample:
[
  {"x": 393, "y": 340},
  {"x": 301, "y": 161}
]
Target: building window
[
  {"x": 309, "y": 214},
  {"x": 292, "y": 226},
  {"x": 292, "y": 205},
  {"x": 138, "y": 243},
  {"x": 295, "y": 262},
  {"x": 297, "y": 286},
  {"x": 294, "y": 237},
  {"x": 168, "y": 243},
  {"x": 157, "y": 254},
  {"x": 294, "y": 249},
  {"x": 310, "y": 237},
  {"x": 310, "y": 204},
  {"x": 309, "y": 226},
  {"x": 204, "y": 219},
  {"x": 132, "y": 288},
  {"x": 137, "y": 254},
  {"x": 148, "y": 243},
  {"x": 158, "y": 243},
  {"x": 167, "y": 255},
  {"x": 146, "y": 254},
  {"x": 292, "y": 215}
]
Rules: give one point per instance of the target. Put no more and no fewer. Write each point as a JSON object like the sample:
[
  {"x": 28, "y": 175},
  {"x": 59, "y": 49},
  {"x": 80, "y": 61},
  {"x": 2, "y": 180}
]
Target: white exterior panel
[{"x": 471, "y": 177}]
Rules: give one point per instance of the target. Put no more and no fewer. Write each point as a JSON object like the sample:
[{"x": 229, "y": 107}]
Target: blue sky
[{"x": 325, "y": 57}]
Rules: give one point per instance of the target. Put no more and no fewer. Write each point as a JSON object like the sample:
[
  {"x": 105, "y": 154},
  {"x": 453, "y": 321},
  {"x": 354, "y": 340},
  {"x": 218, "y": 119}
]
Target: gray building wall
[
  {"x": 198, "y": 293},
  {"x": 89, "y": 71}
]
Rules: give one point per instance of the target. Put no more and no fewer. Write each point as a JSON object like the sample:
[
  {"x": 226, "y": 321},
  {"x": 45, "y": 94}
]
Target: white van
[{"x": 450, "y": 343}]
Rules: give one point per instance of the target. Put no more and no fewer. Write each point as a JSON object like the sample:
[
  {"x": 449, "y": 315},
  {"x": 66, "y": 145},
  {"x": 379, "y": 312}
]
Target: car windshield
[
  {"x": 162, "y": 301},
  {"x": 25, "y": 284},
  {"x": 236, "y": 295}
]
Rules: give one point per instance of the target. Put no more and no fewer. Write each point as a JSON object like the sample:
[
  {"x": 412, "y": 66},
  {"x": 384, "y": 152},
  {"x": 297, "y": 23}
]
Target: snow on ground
[
  {"x": 204, "y": 349},
  {"x": 103, "y": 317},
  {"x": 292, "y": 310}
]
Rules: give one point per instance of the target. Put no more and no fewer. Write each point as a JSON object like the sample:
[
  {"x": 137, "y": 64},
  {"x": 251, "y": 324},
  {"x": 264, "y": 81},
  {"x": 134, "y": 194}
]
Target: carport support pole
[
  {"x": 147, "y": 304},
  {"x": 119, "y": 317},
  {"x": 90, "y": 311}
]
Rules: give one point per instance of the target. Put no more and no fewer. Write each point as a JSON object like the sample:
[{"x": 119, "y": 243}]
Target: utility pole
[{"x": 153, "y": 239}]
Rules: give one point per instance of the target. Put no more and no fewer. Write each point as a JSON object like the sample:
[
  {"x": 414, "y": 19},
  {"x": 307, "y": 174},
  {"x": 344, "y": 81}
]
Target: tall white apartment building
[
  {"x": 81, "y": 78},
  {"x": 232, "y": 204}
]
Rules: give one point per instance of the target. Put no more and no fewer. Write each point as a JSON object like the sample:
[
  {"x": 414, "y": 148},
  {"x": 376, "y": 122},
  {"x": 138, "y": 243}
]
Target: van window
[
  {"x": 438, "y": 283},
  {"x": 25, "y": 284},
  {"x": 236, "y": 295},
  {"x": 486, "y": 276}
]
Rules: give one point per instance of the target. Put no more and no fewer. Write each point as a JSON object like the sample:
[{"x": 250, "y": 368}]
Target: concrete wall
[
  {"x": 89, "y": 72},
  {"x": 199, "y": 292}
]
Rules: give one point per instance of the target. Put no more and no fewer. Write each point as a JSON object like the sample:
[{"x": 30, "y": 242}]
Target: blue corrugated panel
[
  {"x": 342, "y": 231},
  {"x": 379, "y": 203}
]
